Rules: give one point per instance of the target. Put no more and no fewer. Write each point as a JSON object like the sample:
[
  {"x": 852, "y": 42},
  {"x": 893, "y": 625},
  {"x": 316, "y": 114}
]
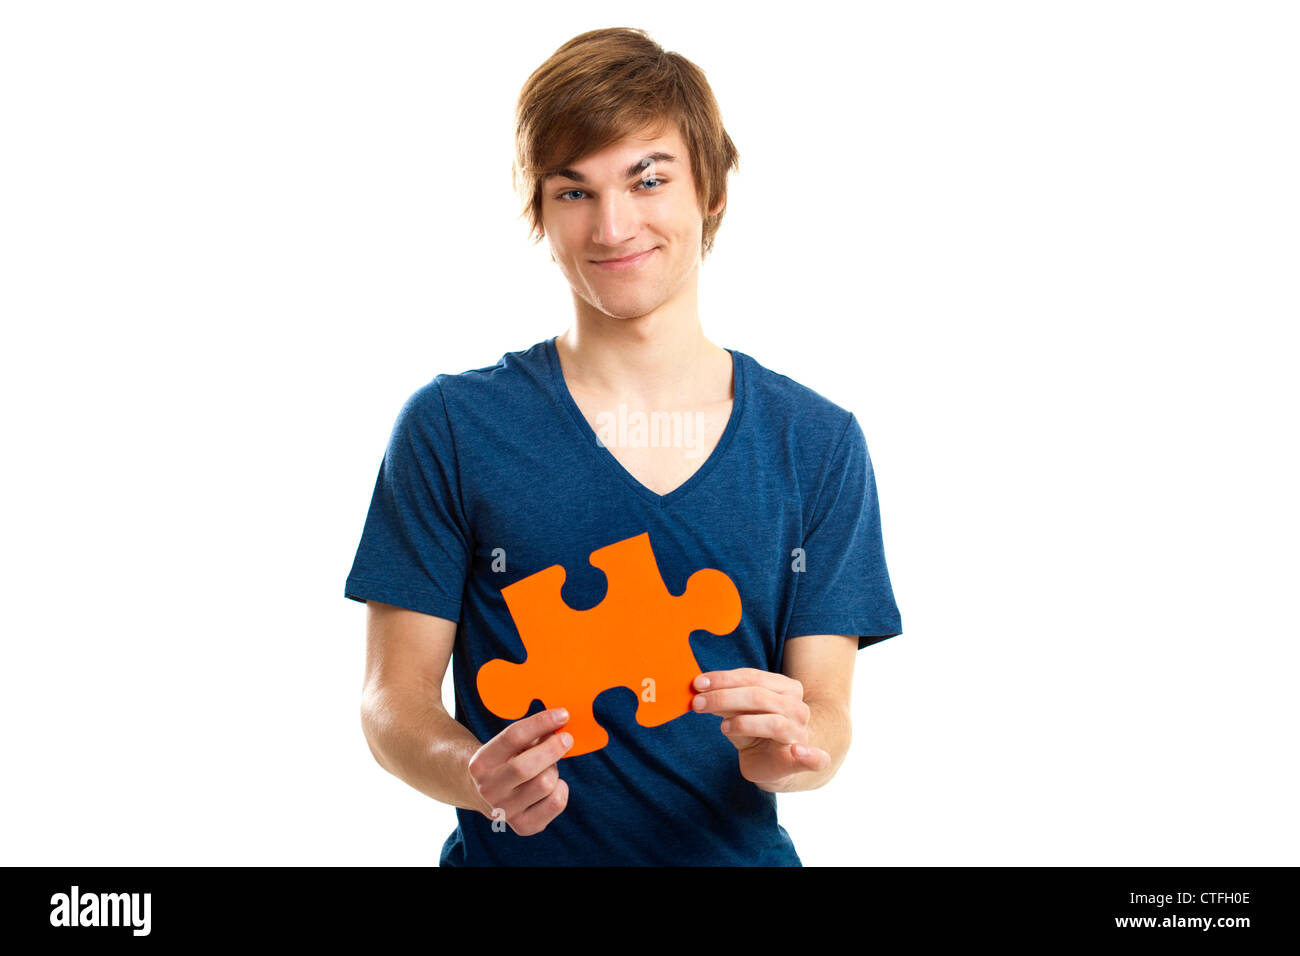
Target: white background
[{"x": 1046, "y": 252}]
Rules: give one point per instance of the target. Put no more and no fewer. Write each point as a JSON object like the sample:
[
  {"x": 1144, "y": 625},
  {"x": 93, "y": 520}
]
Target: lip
[{"x": 622, "y": 265}]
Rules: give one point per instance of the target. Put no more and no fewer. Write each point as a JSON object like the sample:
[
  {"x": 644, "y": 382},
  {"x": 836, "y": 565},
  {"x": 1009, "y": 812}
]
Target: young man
[{"x": 759, "y": 518}]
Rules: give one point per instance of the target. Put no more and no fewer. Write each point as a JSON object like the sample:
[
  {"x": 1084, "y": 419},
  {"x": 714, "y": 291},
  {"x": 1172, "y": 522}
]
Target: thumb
[{"x": 811, "y": 758}]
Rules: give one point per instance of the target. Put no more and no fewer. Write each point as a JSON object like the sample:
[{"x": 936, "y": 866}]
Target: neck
[{"x": 655, "y": 358}]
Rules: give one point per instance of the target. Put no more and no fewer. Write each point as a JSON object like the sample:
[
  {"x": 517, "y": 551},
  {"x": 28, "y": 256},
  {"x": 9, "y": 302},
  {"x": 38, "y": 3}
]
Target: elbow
[{"x": 372, "y": 721}]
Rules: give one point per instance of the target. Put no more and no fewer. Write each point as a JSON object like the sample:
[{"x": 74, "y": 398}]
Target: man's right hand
[{"x": 516, "y": 771}]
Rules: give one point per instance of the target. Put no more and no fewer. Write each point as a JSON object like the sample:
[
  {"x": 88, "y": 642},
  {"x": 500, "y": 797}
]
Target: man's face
[{"x": 636, "y": 198}]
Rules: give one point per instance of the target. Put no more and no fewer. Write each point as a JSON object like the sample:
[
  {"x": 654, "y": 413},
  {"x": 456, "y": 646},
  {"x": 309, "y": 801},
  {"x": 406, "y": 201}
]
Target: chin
[{"x": 623, "y": 315}]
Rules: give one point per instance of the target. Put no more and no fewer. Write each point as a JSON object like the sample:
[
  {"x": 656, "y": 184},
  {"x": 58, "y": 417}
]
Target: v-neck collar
[{"x": 592, "y": 441}]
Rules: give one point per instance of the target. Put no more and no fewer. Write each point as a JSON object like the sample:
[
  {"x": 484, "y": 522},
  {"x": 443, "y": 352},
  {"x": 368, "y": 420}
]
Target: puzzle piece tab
[{"x": 639, "y": 633}]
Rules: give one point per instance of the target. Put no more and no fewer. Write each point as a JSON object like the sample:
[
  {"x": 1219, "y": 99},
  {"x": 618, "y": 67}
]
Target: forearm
[
  {"x": 830, "y": 728},
  {"x": 414, "y": 738}
]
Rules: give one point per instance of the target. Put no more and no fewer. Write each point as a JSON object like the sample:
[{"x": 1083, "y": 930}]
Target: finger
[
  {"x": 769, "y": 726},
  {"x": 808, "y": 757},
  {"x": 742, "y": 676},
  {"x": 751, "y": 700},
  {"x": 518, "y": 736},
  {"x": 534, "y": 820},
  {"x": 530, "y": 792},
  {"x": 522, "y": 767}
]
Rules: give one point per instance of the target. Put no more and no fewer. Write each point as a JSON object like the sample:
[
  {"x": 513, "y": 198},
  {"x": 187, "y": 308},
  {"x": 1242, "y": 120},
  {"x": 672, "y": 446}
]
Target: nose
[{"x": 617, "y": 220}]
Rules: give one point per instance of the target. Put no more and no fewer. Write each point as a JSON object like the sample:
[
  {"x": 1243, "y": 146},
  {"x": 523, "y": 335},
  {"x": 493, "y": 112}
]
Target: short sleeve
[
  {"x": 844, "y": 586},
  {"x": 416, "y": 545}
]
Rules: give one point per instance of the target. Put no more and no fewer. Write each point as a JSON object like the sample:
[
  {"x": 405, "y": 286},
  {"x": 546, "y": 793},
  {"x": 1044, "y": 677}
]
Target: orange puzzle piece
[{"x": 637, "y": 637}]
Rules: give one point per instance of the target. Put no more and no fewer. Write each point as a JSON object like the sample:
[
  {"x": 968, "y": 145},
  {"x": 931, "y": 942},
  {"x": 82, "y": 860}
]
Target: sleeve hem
[
  {"x": 867, "y": 634},
  {"x": 359, "y": 589}
]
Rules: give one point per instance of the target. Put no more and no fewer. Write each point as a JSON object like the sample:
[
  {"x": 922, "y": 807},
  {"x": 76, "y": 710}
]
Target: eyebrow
[{"x": 632, "y": 171}]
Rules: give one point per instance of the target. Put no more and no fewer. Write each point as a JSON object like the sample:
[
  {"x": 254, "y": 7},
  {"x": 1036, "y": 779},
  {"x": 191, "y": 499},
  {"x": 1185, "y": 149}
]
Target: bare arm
[
  {"x": 413, "y": 737},
  {"x": 406, "y": 725},
  {"x": 823, "y": 664}
]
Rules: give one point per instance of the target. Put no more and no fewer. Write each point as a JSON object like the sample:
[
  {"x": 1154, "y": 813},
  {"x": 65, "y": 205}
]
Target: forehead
[{"x": 629, "y": 157}]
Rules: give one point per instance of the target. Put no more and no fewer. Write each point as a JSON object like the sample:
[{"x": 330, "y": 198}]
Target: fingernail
[
  {"x": 561, "y": 715},
  {"x": 701, "y": 682},
  {"x": 698, "y": 702},
  {"x": 567, "y": 740},
  {"x": 801, "y": 750}
]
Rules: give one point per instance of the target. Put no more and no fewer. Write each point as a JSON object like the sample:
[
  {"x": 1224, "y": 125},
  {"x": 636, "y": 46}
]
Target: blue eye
[{"x": 643, "y": 185}]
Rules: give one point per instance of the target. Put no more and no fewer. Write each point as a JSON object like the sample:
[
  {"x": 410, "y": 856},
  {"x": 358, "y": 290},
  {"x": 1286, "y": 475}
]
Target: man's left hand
[{"x": 765, "y": 716}]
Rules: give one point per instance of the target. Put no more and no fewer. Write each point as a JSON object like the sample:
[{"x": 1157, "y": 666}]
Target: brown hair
[{"x": 605, "y": 85}]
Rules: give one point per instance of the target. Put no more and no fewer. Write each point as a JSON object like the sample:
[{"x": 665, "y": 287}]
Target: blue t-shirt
[{"x": 499, "y": 465}]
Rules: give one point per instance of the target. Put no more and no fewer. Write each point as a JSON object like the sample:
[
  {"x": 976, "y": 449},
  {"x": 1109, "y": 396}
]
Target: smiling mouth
[{"x": 632, "y": 260}]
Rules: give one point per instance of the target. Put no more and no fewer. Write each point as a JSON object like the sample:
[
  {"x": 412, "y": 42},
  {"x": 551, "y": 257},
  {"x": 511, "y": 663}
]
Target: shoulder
[
  {"x": 785, "y": 406},
  {"x": 493, "y": 388}
]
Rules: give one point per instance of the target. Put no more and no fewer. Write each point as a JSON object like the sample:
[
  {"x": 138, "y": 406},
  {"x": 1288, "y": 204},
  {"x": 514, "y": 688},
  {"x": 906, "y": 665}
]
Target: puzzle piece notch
[{"x": 638, "y": 631}]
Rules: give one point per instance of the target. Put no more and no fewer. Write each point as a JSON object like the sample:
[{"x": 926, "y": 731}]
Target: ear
[{"x": 722, "y": 204}]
